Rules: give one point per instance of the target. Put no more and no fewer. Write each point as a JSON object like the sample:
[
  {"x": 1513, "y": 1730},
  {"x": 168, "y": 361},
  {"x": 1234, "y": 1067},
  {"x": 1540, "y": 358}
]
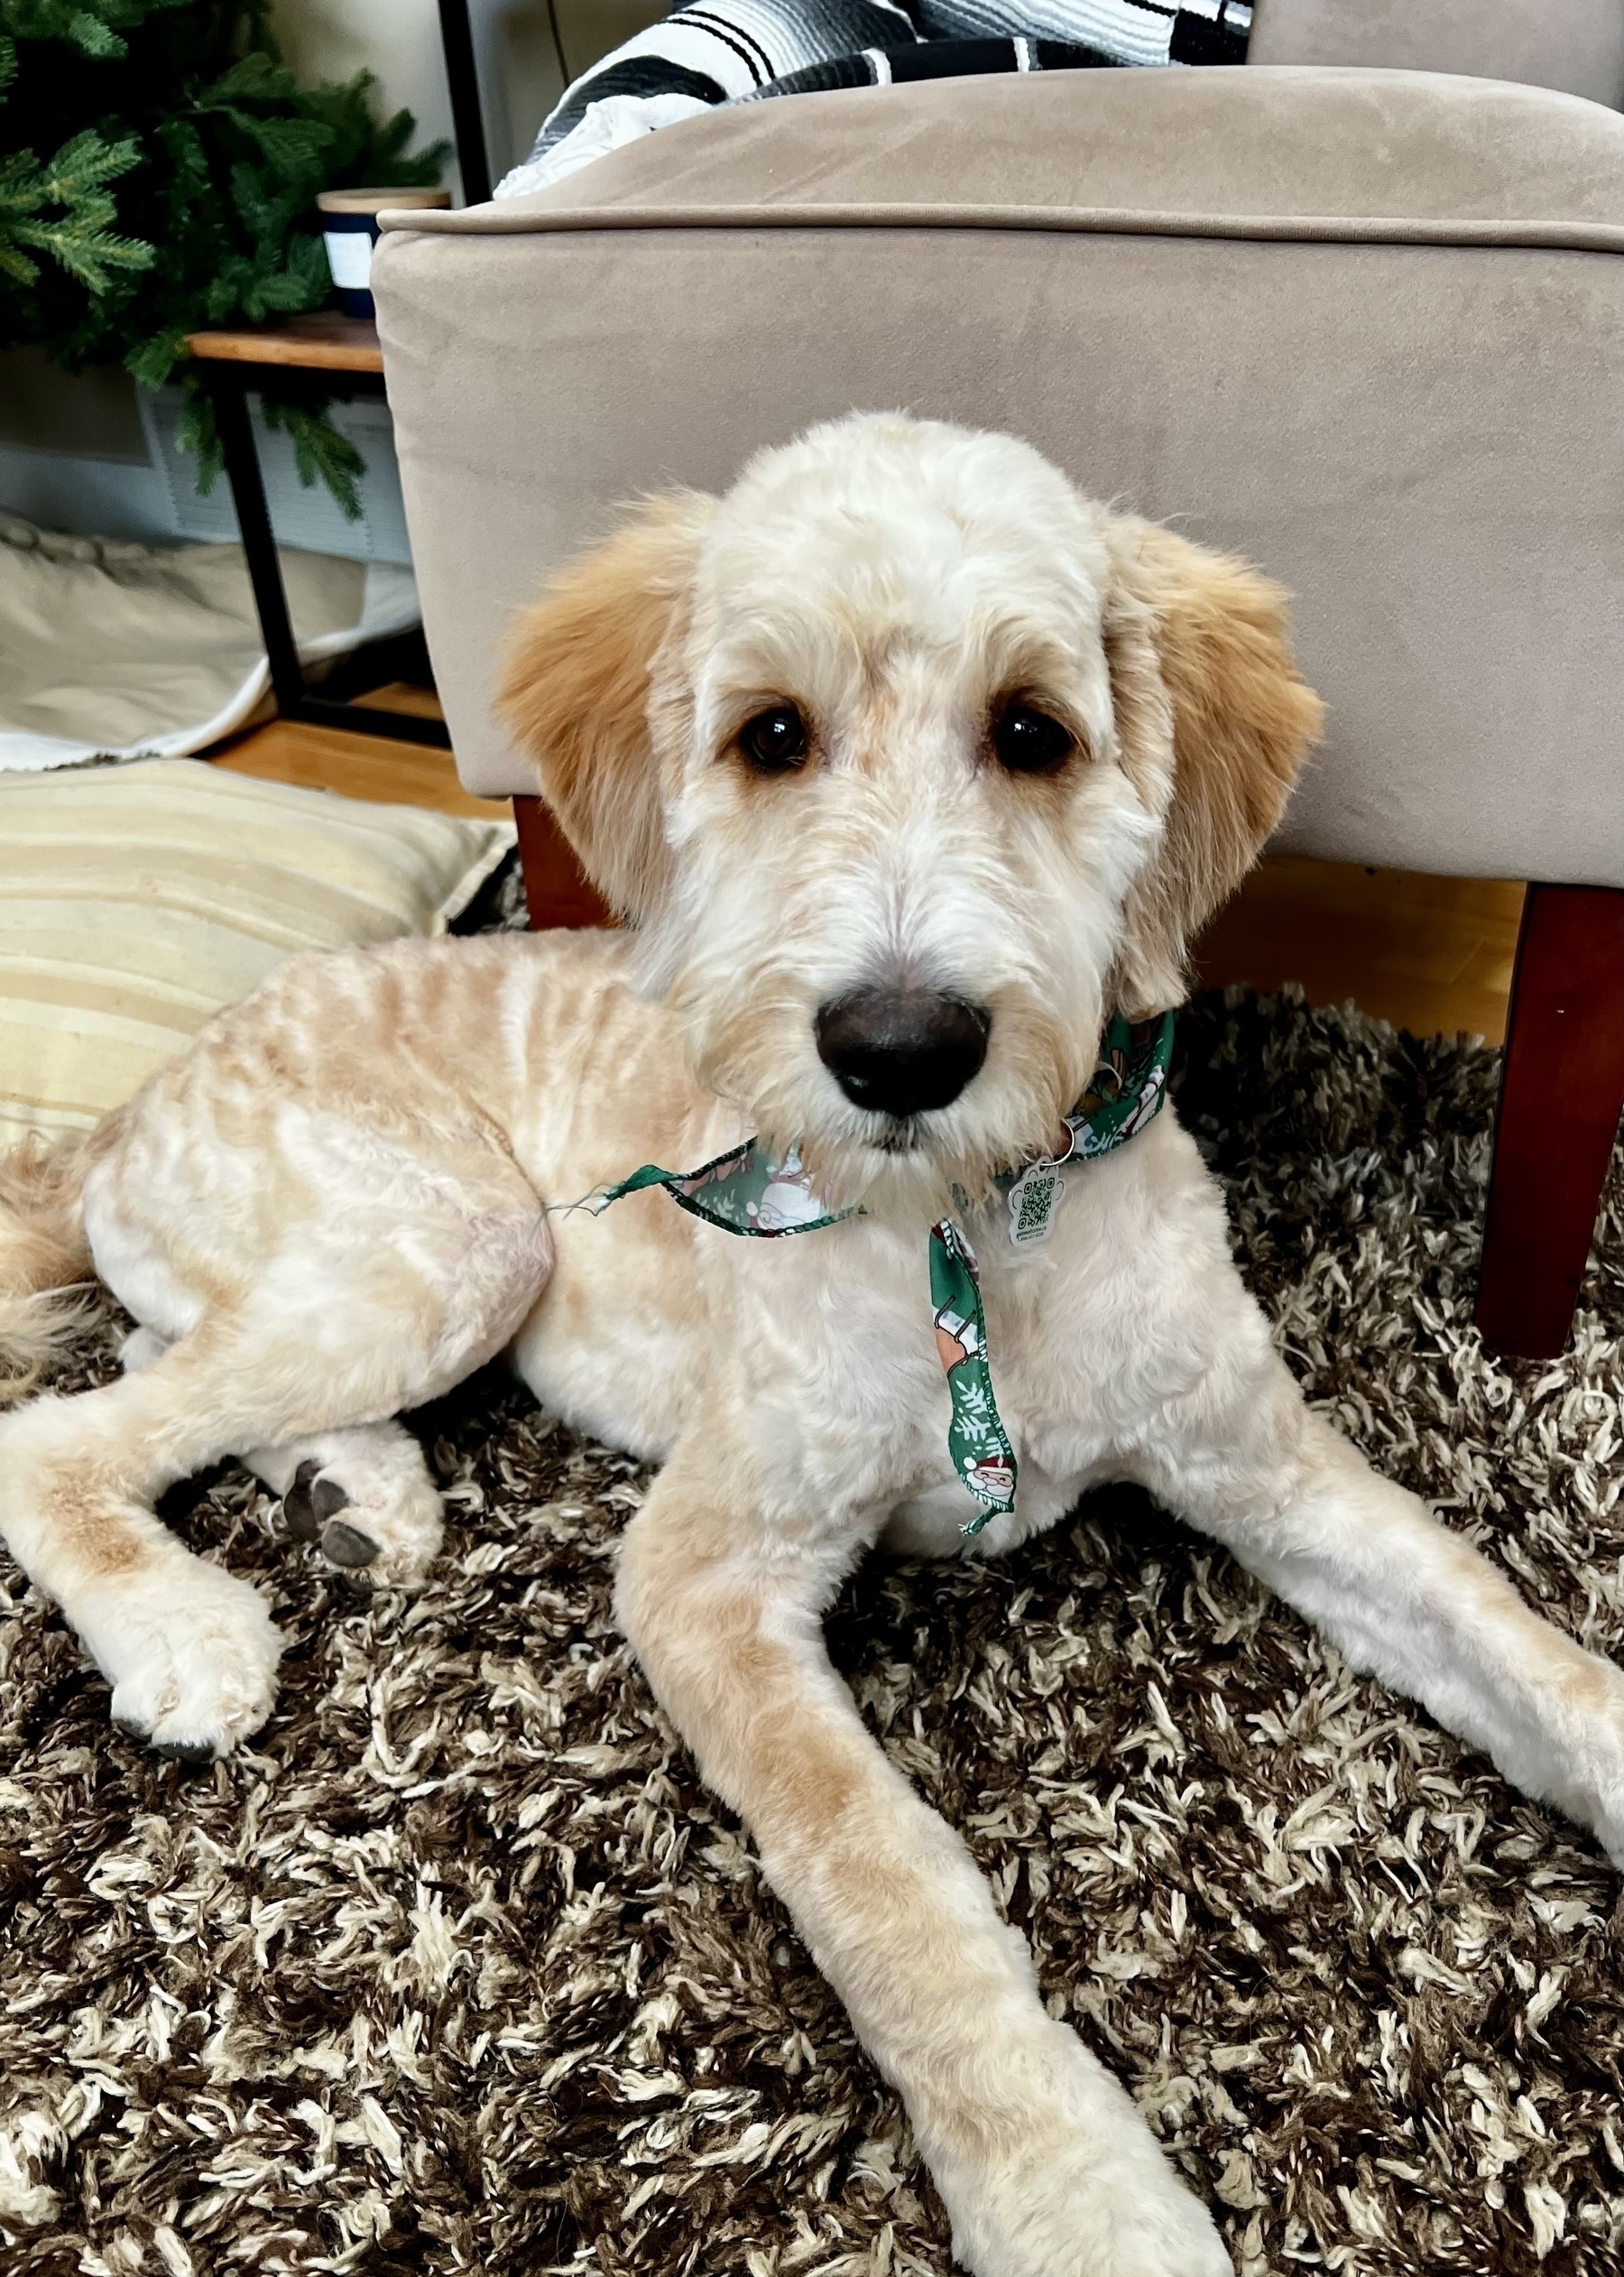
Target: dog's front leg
[
  {"x": 1045, "y": 2164},
  {"x": 1406, "y": 1599}
]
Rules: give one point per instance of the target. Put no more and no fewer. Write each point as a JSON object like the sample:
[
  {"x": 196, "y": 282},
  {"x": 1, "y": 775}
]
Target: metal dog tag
[{"x": 1034, "y": 1199}]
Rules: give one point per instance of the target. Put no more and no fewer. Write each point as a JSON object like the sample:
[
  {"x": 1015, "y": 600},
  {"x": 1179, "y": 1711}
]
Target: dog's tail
[{"x": 44, "y": 1258}]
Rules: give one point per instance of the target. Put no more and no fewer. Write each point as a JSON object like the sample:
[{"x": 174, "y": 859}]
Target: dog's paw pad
[
  {"x": 345, "y": 1545},
  {"x": 310, "y": 1501},
  {"x": 327, "y": 1498},
  {"x": 369, "y": 1507},
  {"x": 298, "y": 1506},
  {"x": 193, "y": 1755}
]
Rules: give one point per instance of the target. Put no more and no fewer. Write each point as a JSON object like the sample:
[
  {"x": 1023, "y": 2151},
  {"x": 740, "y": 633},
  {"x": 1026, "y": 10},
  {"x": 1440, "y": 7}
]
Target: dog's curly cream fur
[{"x": 337, "y": 1204}]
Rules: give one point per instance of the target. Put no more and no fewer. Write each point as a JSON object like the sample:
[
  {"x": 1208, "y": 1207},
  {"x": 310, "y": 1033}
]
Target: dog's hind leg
[
  {"x": 346, "y": 1323},
  {"x": 363, "y": 1496}
]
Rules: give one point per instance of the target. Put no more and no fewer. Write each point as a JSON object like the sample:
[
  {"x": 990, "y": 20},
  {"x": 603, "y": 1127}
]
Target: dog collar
[{"x": 749, "y": 1191}]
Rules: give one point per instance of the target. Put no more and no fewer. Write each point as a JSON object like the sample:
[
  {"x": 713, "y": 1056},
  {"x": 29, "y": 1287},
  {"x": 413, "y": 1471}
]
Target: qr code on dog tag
[{"x": 1034, "y": 1199}]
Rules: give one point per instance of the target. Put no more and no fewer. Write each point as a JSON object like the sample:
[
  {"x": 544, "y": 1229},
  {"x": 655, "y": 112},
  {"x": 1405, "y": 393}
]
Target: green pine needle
[
  {"x": 196, "y": 432},
  {"x": 78, "y": 238},
  {"x": 320, "y": 452},
  {"x": 85, "y": 163},
  {"x": 152, "y": 361},
  {"x": 258, "y": 77},
  {"x": 93, "y": 37}
]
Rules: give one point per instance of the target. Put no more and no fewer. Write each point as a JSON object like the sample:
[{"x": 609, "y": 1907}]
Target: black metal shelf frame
[
  {"x": 468, "y": 118},
  {"x": 229, "y": 385}
]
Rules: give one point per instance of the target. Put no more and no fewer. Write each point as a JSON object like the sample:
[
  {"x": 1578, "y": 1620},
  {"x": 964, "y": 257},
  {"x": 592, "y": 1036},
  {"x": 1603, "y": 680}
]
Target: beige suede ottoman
[{"x": 1367, "y": 328}]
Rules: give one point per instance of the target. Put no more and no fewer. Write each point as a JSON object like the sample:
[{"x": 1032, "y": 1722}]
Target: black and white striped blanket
[{"x": 741, "y": 51}]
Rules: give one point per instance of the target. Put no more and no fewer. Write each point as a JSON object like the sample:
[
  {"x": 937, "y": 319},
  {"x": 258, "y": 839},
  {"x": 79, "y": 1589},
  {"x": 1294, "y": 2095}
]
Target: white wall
[{"x": 399, "y": 40}]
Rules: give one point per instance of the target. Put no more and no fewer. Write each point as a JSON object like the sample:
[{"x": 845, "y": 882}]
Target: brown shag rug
[{"x": 460, "y": 1970}]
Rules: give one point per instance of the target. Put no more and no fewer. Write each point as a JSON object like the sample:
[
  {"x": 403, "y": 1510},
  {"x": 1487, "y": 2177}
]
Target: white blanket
[{"x": 110, "y": 650}]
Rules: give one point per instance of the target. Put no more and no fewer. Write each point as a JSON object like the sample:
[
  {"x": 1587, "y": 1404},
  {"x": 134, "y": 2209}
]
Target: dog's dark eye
[
  {"x": 774, "y": 741},
  {"x": 1029, "y": 741}
]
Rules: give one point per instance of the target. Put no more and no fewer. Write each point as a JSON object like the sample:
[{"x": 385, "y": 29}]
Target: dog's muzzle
[{"x": 901, "y": 1052}]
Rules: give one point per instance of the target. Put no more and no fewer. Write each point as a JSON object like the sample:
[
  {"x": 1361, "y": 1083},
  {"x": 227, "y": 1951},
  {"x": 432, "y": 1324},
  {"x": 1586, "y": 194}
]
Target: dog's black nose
[{"x": 901, "y": 1052}]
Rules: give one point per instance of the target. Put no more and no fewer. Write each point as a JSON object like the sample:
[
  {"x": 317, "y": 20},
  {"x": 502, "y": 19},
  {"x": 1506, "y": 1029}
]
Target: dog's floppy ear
[
  {"x": 1212, "y": 724},
  {"x": 579, "y": 682}
]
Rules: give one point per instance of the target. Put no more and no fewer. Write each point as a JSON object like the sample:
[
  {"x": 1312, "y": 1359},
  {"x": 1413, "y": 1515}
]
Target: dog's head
[{"x": 910, "y": 764}]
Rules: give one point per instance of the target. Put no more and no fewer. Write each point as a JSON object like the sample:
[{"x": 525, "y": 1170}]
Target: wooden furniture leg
[
  {"x": 557, "y": 890},
  {"x": 1561, "y": 1093}
]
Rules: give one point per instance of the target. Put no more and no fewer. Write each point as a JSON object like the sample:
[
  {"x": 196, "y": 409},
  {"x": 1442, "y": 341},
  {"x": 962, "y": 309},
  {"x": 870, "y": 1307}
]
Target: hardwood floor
[
  {"x": 390, "y": 775},
  {"x": 1430, "y": 954}
]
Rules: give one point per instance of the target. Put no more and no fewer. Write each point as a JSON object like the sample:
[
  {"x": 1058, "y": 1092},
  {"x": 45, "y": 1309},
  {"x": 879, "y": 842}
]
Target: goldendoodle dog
[{"x": 911, "y": 771}]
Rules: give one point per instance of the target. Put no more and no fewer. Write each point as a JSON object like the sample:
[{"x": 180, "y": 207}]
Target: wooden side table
[{"x": 319, "y": 356}]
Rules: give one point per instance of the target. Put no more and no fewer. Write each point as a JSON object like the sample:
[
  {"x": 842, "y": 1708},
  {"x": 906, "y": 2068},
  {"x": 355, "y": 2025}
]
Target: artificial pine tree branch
[
  {"x": 212, "y": 220},
  {"x": 92, "y": 27},
  {"x": 320, "y": 452},
  {"x": 79, "y": 237}
]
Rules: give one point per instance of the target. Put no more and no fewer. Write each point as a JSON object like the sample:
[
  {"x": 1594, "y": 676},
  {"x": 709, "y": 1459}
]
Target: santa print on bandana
[{"x": 976, "y": 1439}]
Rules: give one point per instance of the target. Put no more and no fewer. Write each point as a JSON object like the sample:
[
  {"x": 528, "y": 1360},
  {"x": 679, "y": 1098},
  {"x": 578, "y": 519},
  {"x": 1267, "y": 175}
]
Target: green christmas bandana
[{"x": 747, "y": 1191}]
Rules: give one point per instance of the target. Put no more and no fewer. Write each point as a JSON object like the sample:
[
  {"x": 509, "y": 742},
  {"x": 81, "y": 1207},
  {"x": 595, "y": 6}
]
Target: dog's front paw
[
  {"x": 1069, "y": 2220},
  {"x": 1081, "y": 2189},
  {"x": 1577, "y": 1762},
  {"x": 190, "y": 1653},
  {"x": 1080, "y": 2213}
]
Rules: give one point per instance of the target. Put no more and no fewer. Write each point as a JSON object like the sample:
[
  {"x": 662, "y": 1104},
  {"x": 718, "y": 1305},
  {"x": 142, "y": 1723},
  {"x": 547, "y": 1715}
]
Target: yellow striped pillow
[{"x": 137, "y": 901}]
